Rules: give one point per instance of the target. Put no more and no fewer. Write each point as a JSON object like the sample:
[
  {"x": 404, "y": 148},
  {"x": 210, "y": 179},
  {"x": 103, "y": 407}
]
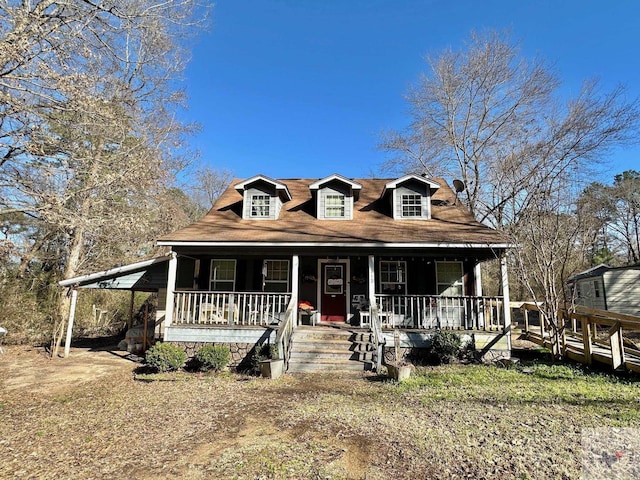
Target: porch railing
[
  {"x": 436, "y": 311},
  {"x": 229, "y": 308}
]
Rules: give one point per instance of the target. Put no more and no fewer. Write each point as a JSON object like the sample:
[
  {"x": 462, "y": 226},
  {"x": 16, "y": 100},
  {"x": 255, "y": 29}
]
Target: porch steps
[{"x": 320, "y": 349}]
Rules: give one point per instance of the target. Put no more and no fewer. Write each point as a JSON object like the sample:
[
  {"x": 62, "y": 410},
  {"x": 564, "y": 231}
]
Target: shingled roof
[{"x": 372, "y": 221}]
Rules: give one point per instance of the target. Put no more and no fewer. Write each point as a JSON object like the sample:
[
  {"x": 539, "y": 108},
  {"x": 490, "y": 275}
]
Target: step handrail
[
  {"x": 378, "y": 338},
  {"x": 285, "y": 332}
]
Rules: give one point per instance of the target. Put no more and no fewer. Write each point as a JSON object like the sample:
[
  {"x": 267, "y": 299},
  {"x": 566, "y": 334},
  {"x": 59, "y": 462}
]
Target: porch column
[
  {"x": 372, "y": 280},
  {"x": 171, "y": 286},
  {"x": 72, "y": 315},
  {"x": 477, "y": 281},
  {"x": 505, "y": 298},
  {"x": 295, "y": 267}
]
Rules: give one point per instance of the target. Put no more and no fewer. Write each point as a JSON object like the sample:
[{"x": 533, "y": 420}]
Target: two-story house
[{"x": 377, "y": 254}]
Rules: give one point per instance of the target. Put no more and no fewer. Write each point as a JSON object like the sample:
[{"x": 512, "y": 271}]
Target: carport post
[{"x": 72, "y": 314}]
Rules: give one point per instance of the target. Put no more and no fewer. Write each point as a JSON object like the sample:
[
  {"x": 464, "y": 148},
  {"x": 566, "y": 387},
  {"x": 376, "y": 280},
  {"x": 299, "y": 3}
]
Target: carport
[{"x": 145, "y": 276}]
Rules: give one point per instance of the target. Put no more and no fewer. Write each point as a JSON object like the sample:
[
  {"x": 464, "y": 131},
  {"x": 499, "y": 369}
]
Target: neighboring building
[
  {"x": 607, "y": 288},
  {"x": 402, "y": 252}
]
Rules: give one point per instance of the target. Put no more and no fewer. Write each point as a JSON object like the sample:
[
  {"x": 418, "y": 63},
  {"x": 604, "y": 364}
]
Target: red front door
[{"x": 334, "y": 297}]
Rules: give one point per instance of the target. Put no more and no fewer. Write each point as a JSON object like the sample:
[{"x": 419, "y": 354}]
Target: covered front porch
[{"x": 408, "y": 291}]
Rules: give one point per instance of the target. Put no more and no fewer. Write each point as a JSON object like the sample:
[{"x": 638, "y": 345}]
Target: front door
[{"x": 333, "y": 306}]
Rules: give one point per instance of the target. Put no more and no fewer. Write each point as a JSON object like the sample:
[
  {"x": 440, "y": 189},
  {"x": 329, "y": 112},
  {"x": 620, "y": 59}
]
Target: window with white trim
[
  {"x": 449, "y": 279},
  {"x": 393, "y": 276},
  {"x": 223, "y": 275},
  {"x": 411, "y": 205},
  {"x": 276, "y": 275},
  {"x": 260, "y": 206},
  {"x": 334, "y": 206}
]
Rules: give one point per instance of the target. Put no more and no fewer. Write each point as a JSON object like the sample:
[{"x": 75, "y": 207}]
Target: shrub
[
  {"x": 213, "y": 357},
  {"x": 165, "y": 357},
  {"x": 263, "y": 352},
  {"x": 445, "y": 347}
]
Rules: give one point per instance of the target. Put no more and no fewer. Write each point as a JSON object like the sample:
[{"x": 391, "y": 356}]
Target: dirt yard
[{"x": 89, "y": 417}]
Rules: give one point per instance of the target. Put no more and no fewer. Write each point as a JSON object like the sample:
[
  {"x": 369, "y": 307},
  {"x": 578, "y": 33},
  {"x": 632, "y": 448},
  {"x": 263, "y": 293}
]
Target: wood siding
[
  {"x": 275, "y": 204},
  {"x": 335, "y": 188},
  {"x": 622, "y": 290},
  {"x": 411, "y": 188}
]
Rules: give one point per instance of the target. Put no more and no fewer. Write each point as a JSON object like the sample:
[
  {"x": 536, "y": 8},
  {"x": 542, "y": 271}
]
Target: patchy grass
[{"x": 444, "y": 422}]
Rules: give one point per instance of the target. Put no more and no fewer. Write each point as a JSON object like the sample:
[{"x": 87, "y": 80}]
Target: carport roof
[{"x": 146, "y": 275}]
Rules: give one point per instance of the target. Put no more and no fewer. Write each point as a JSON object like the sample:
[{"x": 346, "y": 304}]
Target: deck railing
[
  {"x": 436, "y": 311},
  {"x": 229, "y": 308}
]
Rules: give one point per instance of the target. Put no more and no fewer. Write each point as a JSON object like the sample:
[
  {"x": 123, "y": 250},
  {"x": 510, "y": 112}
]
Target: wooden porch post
[
  {"x": 171, "y": 286},
  {"x": 72, "y": 314},
  {"x": 295, "y": 267},
  {"x": 131, "y": 304},
  {"x": 372, "y": 280},
  {"x": 505, "y": 294},
  {"x": 477, "y": 281}
]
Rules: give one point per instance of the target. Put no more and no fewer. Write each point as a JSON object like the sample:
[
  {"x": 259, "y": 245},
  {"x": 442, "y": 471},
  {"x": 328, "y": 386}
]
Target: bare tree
[
  {"x": 207, "y": 185},
  {"x": 616, "y": 208},
  {"x": 490, "y": 117},
  {"x": 88, "y": 135}
]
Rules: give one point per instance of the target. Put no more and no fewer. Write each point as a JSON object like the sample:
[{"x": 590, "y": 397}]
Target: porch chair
[{"x": 209, "y": 313}]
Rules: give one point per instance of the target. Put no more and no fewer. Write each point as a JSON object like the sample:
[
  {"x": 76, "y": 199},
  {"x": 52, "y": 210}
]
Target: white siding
[
  {"x": 622, "y": 290},
  {"x": 411, "y": 188},
  {"x": 275, "y": 204},
  {"x": 335, "y": 190}
]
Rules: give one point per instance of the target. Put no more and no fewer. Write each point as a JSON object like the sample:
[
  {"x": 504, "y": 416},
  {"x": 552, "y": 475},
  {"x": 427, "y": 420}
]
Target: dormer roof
[
  {"x": 281, "y": 188},
  {"x": 418, "y": 178},
  {"x": 335, "y": 177}
]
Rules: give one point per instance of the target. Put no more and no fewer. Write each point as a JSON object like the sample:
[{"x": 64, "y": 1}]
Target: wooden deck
[{"x": 589, "y": 336}]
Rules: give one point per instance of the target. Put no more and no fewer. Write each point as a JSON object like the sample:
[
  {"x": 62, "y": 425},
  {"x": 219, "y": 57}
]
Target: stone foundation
[{"x": 241, "y": 353}]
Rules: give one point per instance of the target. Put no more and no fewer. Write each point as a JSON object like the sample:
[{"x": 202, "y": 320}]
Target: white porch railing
[
  {"x": 435, "y": 311},
  {"x": 229, "y": 308}
]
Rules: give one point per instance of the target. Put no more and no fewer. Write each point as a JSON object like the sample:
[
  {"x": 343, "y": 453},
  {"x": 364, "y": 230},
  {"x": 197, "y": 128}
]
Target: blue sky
[{"x": 303, "y": 88}]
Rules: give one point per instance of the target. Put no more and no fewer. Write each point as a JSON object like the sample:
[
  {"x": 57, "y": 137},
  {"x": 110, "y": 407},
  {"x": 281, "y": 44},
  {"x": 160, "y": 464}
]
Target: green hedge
[
  {"x": 165, "y": 357},
  {"x": 213, "y": 357}
]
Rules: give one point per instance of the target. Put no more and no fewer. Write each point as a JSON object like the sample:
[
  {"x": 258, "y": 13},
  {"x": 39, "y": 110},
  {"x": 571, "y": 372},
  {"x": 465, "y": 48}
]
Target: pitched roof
[{"x": 372, "y": 221}]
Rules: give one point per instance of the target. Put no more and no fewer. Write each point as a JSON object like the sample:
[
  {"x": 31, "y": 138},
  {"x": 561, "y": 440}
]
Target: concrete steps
[{"x": 322, "y": 349}]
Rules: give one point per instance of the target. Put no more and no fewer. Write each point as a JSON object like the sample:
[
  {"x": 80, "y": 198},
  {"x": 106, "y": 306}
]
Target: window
[
  {"x": 260, "y": 206},
  {"x": 276, "y": 275},
  {"x": 596, "y": 288},
  {"x": 449, "y": 278},
  {"x": 223, "y": 275},
  {"x": 411, "y": 205},
  {"x": 334, "y": 206},
  {"x": 393, "y": 277}
]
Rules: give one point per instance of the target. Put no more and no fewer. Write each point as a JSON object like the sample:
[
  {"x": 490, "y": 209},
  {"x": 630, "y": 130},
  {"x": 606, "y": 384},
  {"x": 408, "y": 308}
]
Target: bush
[
  {"x": 263, "y": 352},
  {"x": 445, "y": 347},
  {"x": 213, "y": 357},
  {"x": 165, "y": 357}
]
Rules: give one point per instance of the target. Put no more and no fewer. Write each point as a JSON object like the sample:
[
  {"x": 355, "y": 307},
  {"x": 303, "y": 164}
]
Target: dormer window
[
  {"x": 334, "y": 196},
  {"x": 262, "y": 197},
  {"x": 260, "y": 206},
  {"x": 334, "y": 206},
  {"x": 411, "y": 205},
  {"x": 410, "y": 197}
]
